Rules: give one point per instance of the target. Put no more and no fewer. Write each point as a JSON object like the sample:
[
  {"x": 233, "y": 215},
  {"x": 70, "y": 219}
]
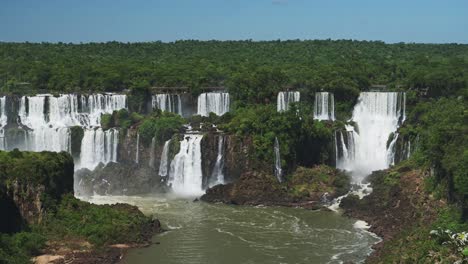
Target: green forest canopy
[{"x": 340, "y": 66}]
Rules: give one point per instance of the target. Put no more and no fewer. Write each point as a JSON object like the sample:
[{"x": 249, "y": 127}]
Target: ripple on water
[{"x": 216, "y": 233}]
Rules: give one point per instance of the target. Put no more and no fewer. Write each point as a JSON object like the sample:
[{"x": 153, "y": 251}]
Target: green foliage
[
  {"x": 50, "y": 169},
  {"x": 442, "y": 128},
  {"x": 161, "y": 127},
  {"x": 18, "y": 248},
  {"x": 106, "y": 121},
  {"x": 99, "y": 224},
  {"x": 305, "y": 182},
  {"x": 295, "y": 129}
]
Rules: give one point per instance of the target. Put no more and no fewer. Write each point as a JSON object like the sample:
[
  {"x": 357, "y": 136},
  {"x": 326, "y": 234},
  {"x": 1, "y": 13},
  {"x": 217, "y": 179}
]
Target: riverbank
[
  {"x": 46, "y": 221},
  {"x": 402, "y": 212}
]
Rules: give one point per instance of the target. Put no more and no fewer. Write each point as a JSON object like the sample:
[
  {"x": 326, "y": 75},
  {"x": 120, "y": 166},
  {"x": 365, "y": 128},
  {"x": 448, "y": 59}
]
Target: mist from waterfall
[
  {"x": 363, "y": 148},
  {"x": 167, "y": 102},
  {"x": 218, "y": 170},
  {"x": 284, "y": 100},
  {"x": 324, "y": 107},
  {"x": 163, "y": 165},
  {"x": 185, "y": 175},
  {"x": 137, "y": 154},
  {"x": 215, "y": 102}
]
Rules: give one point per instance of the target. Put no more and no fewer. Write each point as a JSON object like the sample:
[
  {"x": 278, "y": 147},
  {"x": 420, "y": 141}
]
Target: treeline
[{"x": 252, "y": 70}]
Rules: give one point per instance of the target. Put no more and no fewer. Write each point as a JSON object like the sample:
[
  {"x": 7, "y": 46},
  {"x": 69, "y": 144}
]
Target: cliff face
[
  {"x": 133, "y": 174},
  {"x": 30, "y": 183}
]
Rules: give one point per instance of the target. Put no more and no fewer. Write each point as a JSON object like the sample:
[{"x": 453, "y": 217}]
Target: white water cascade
[
  {"x": 324, "y": 108},
  {"x": 137, "y": 154},
  {"x": 284, "y": 99},
  {"x": 98, "y": 146},
  {"x": 3, "y": 122},
  {"x": 217, "y": 103},
  {"x": 163, "y": 166},
  {"x": 218, "y": 173},
  {"x": 185, "y": 175},
  {"x": 167, "y": 102},
  {"x": 278, "y": 170},
  {"x": 377, "y": 115},
  {"x": 46, "y": 121}
]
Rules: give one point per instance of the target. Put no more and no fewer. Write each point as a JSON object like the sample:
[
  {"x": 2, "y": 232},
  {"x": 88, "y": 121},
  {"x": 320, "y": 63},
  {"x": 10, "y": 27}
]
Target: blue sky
[{"x": 428, "y": 21}]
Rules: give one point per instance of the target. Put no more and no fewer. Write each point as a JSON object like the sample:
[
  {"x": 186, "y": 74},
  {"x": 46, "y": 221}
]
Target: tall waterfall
[
  {"x": 163, "y": 166},
  {"x": 167, "y": 102},
  {"x": 285, "y": 99},
  {"x": 218, "y": 173},
  {"x": 153, "y": 146},
  {"x": 377, "y": 115},
  {"x": 45, "y": 122},
  {"x": 185, "y": 175},
  {"x": 3, "y": 122},
  {"x": 324, "y": 108},
  {"x": 278, "y": 170},
  {"x": 217, "y": 103},
  {"x": 98, "y": 146},
  {"x": 137, "y": 154}
]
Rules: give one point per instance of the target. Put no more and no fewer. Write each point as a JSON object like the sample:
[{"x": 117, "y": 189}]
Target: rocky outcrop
[
  {"x": 30, "y": 183},
  {"x": 397, "y": 203},
  {"x": 307, "y": 188}
]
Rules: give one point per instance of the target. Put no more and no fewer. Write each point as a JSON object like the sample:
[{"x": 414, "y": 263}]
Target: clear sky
[{"x": 434, "y": 21}]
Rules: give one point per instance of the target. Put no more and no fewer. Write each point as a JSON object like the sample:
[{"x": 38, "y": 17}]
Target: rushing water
[
  {"x": 284, "y": 99},
  {"x": 215, "y": 102},
  {"x": 376, "y": 115},
  {"x": 216, "y": 233},
  {"x": 324, "y": 107}
]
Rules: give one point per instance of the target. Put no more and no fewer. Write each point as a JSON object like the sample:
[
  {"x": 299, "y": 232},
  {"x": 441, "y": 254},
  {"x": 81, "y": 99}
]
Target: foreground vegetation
[{"x": 36, "y": 191}]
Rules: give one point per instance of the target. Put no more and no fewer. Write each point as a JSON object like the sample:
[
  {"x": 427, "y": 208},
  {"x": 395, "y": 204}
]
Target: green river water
[{"x": 199, "y": 232}]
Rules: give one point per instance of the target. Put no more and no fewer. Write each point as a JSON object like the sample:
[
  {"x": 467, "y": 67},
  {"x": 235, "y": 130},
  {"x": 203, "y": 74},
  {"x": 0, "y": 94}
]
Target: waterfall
[
  {"x": 217, "y": 103},
  {"x": 324, "y": 108},
  {"x": 285, "y": 99},
  {"x": 377, "y": 115},
  {"x": 46, "y": 121},
  {"x": 219, "y": 165},
  {"x": 278, "y": 170},
  {"x": 185, "y": 175},
  {"x": 391, "y": 150},
  {"x": 167, "y": 102},
  {"x": 153, "y": 146},
  {"x": 3, "y": 122},
  {"x": 137, "y": 154},
  {"x": 98, "y": 146},
  {"x": 164, "y": 158}
]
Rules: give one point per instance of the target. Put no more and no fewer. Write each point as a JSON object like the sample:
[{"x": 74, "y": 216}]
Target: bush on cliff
[{"x": 161, "y": 126}]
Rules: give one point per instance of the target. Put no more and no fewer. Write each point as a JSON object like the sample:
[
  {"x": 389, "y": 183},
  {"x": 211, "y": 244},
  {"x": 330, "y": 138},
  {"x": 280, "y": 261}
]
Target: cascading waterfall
[
  {"x": 285, "y": 99},
  {"x": 46, "y": 121},
  {"x": 217, "y": 103},
  {"x": 153, "y": 146},
  {"x": 278, "y": 170},
  {"x": 167, "y": 102},
  {"x": 218, "y": 173},
  {"x": 3, "y": 122},
  {"x": 163, "y": 166},
  {"x": 185, "y": 175},
  {"x": 377, "y": 115},
  {"x": 324, "y": 108},
  {"x": 98, "y": 146},
  {"x": 137, "y": 154}
]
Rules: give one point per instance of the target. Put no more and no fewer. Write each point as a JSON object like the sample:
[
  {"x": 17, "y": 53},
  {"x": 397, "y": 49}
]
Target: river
[{"x": 199, "y": 232}]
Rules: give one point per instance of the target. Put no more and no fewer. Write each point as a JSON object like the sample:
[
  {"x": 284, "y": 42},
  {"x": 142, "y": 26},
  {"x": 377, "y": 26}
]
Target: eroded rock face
[
  {"x": 306, "y": 187},
  {"x": 30, "y": 185},
  {"x": 119, "y": 179}
]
